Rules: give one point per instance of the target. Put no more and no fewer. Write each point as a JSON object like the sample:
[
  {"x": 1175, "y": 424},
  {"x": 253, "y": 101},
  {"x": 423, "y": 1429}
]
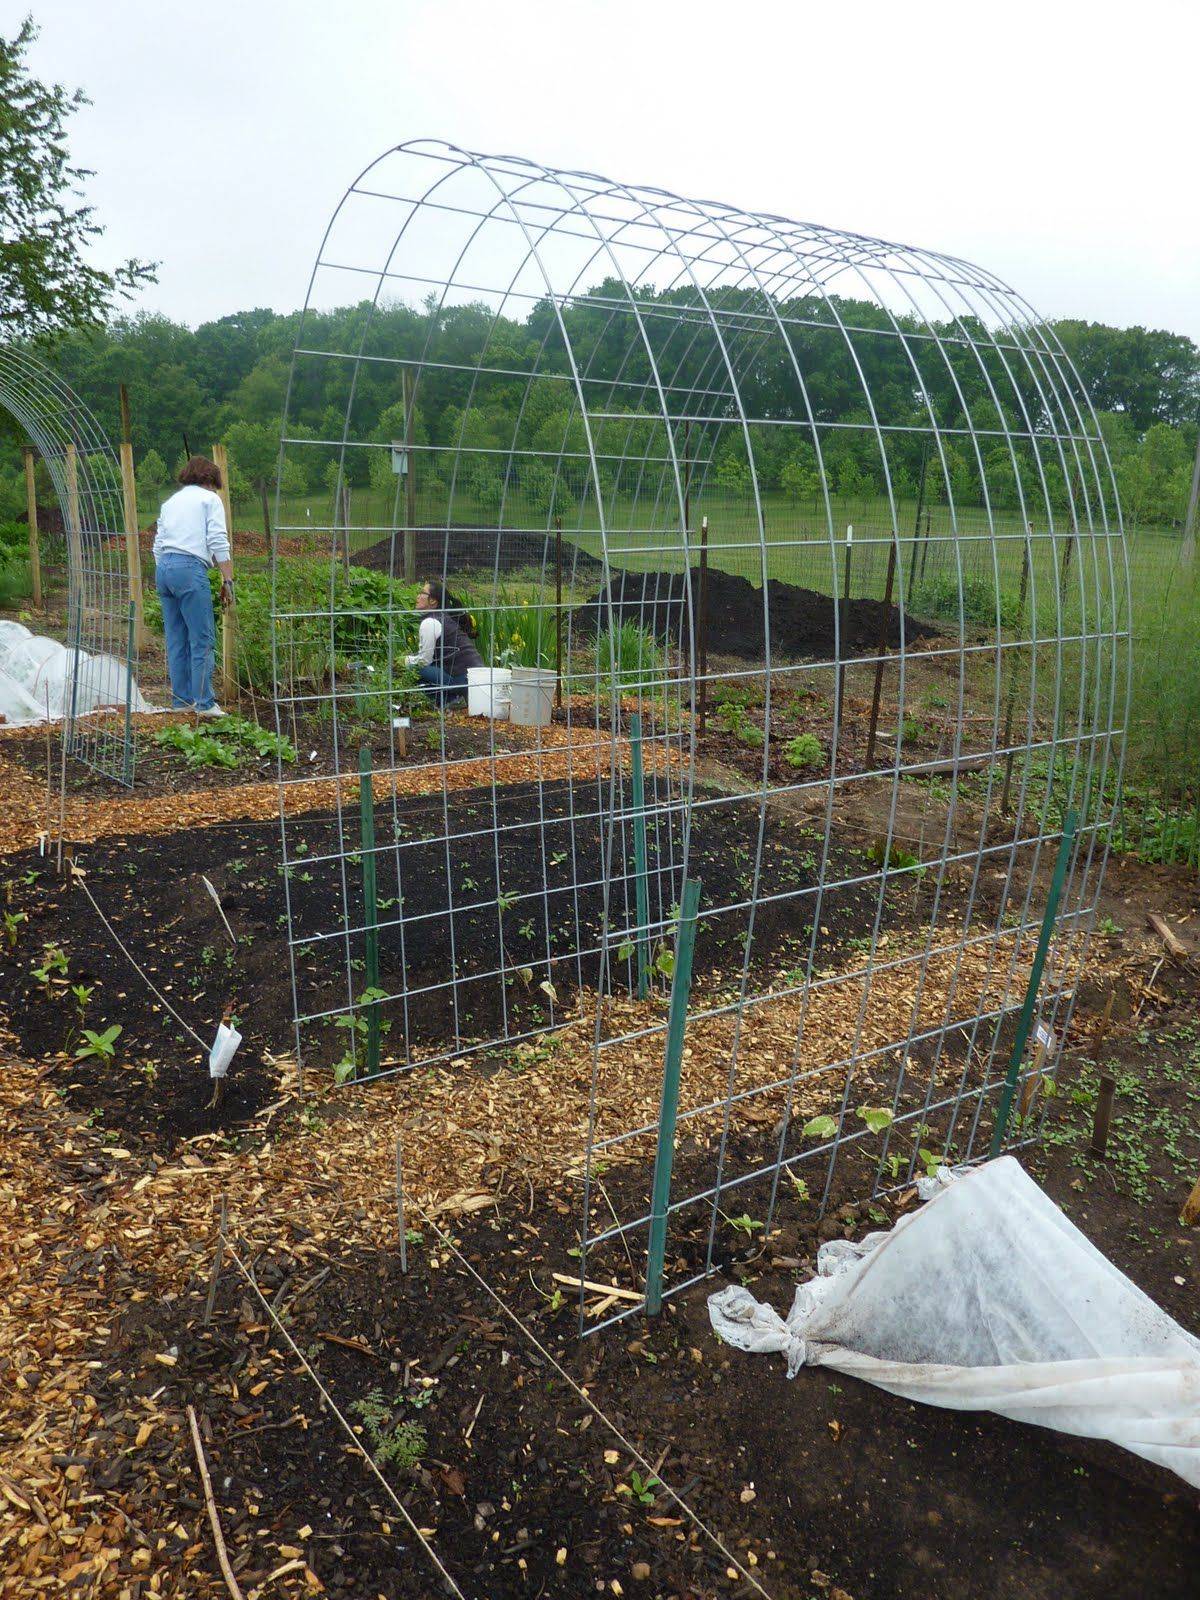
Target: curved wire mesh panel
[
  {"x": 816, "y": 540},
  {"x": 96, "y": 692}
]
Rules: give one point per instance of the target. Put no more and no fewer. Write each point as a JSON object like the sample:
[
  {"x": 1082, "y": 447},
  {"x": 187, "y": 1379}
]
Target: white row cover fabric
[
  {"x": 989, "y": 1299},
  {"x": 36, "y": 676}
]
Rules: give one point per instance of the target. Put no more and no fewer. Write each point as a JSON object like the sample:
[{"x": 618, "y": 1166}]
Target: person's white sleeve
[
  {"x": 216, "y": 534},
  {"x": 428, "y": 635}
]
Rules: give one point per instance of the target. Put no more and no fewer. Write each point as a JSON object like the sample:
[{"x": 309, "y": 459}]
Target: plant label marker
[{"x": 681, "y": 984}]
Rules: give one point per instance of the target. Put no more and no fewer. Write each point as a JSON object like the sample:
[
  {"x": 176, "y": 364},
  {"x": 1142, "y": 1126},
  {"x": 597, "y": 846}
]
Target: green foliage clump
[
  {"x": 402, "y": 1443},
  {"x": 733, "y": 717},
  {"x": 513, "y": 633},
  {"x": 940, "y": 596},
  {"x": 804, "y": 751},
  {"x": 627, "y": 660},
  {"x": 226, "y": 742}
]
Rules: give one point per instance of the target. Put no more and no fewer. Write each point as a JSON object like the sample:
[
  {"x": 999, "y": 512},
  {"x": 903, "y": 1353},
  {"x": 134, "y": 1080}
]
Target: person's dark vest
[{"x": 455, "y": 651}]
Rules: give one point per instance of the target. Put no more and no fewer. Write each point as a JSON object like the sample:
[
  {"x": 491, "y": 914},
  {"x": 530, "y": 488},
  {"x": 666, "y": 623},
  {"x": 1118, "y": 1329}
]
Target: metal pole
[
  {"x": 1035, "y": 977},
  {"x": 845, "y": 621},
  {"x": 558, "y": 611},
  {"x": 410, "y": 486},
  {"x": 35, "y": 557},
  {"x": 641, "y": 886},
  {"x": 702, "y": 623},
  {"x": 1189, "y": 521},
  {"x": 883, "y": 637},
  {"x": 127, "y": 774},
  {"x": 400, "y": 1208},
  {"x": 669, "y": 1106},
  {"x": 220, "y": 458},
  {"x": 366, "y": 802},
  {"x": 920, "y": 509}
]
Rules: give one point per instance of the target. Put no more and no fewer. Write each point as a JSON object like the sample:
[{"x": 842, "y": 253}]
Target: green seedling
[
  {"x": 100, "y": 1046},
  {"x": 81, "y": 993},
  {"x": 12, "y": 924},
  {"x": 804, "y": 751},
  {"x": 53, "y": 967},
  {"x": 400, "y": 1444}
]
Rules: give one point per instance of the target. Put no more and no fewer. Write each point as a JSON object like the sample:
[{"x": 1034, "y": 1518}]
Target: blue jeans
[
  {"x": 440, "y": 683},
  {"x": 187, "y": 608}
]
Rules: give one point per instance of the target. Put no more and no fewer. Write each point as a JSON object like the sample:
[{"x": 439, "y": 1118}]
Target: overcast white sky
[{"x": 1054, "y": 142}]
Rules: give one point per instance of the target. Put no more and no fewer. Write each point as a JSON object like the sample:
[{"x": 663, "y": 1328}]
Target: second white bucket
[
  {"x": 488, "y": 691},
  {"x": 533, "y": 696}
]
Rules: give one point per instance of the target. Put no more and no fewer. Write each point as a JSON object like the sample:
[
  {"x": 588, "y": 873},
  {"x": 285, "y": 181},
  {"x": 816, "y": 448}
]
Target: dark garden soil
[
  {"x": 803, "y": 622},
  {"x": 151, "y": 891},
  {"x": 480, "y": 551},
  {"x": 820, "y": 1486}
]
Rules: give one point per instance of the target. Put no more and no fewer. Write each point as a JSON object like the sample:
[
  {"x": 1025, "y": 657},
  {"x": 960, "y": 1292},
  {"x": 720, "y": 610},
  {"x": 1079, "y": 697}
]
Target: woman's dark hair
[
  {"x": 199, "y": 470},
  {"x": 445, "y": 601}
]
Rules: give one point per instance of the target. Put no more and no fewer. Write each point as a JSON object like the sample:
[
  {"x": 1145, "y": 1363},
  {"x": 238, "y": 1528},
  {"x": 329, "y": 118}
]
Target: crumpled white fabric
[
  {"x": 990, "y": 1299},
  {"x": 36, "y": 679}
]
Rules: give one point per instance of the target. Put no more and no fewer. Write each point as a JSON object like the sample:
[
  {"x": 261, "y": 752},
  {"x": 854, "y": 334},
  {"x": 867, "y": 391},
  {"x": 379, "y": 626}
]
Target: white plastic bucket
[
  {"x": 533, "y": 696},
  {"x": 488, "y": 690}
]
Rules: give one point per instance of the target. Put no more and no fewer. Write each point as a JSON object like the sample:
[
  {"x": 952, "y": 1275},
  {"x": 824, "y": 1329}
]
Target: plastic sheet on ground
[
  {"x": 989, "y": 1299},
  {"x": 36, "y": 678}
]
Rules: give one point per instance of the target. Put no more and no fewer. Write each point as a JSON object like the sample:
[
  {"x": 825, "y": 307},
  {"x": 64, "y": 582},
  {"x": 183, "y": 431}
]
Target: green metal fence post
[
  {"x": 1070, "y": 824},
  {"x": 681, "y": 985},
  {"x": 366, "y": 802},
  {"x": 641, "y": 888}
]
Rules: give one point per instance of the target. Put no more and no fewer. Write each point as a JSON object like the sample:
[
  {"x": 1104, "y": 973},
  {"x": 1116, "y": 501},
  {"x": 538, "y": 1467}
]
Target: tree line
[{"x": 481, "y": 421}]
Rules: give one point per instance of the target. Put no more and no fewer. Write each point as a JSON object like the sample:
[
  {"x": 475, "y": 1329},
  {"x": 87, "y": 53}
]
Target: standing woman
[
  {"x": 444, "y": 647},
  {"x": 192, "y": 537}
]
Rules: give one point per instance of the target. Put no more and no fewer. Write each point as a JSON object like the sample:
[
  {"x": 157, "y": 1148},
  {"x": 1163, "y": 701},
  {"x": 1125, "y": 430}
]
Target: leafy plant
[
  {"x": 627, "y": 660},
  {"x": 402, "y": 1444},
  {"x": 102, "y": 1046},
  {"x": 82, "y": 993},
  {"x": 12, "y": 924},
  {"x": 642, "y": 1489},
  {"x": 53, "y": 968},
  {"x": 804, "y": 751}
]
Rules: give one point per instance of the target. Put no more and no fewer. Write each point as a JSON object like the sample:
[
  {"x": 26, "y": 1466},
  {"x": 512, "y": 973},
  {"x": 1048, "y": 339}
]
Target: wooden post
[
  {"x": 133, "y": 551},
  {"x": 840, "y": 707},
  {"x": 1190, "y": 1214},
  {"x": 1108, "y": 1087},
  {"x": 35, "y": 555},
  {"x": 883, "y": 638},
  {"x": 410, "y": 485},
  {"x": 74, "y": 533},
  {"x": 1012, "y": 683},
  {"x": 229, "y": 686}
]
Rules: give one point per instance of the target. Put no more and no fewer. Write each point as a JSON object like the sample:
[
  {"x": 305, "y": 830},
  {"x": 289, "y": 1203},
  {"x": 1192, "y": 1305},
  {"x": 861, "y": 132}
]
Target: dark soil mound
[
  {"x": 802, "y": 621},
  {"x": 463, "y": 549}
]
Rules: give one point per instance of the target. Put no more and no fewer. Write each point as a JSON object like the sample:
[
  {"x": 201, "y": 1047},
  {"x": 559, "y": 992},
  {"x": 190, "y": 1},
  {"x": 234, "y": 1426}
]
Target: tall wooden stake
[
  {"x": 366, "y": 813},
  {"x": 883, "y": 639},
  {"x": 35, "y": 554},
  {"x": 845, "y": 624},
  {"x": 1012, "y": 682},
  {"x": 229, "y": 685},
  {"x": 133, "y": 552},
  {"x": 74, "y": 533}
]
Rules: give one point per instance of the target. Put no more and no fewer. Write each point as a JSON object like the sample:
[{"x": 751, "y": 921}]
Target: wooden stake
[
  {"x": 1108, "y": 1084},
  {"x": 1190, "y": 1214},
  {"x": 229, "y": 685},
  {"x": 1030, "y": 1087},
  {"x": 702, "y": 623},
  {"x": 133, "y": 552},
  {"x": 74, "y": 536},
  {"x": 1176, "y": 948},
  {"x": 231, "y": 1582},
  {"x": 35, "y": 555}
]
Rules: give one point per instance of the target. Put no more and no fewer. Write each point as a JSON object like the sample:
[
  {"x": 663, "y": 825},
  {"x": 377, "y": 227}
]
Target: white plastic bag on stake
[{"x": 990, "y": 1299}]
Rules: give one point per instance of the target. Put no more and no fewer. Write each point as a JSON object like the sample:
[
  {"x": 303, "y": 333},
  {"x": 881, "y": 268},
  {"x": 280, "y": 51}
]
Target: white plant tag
[
  {"x": 1045, "y": 1037},
  {"x": 223, "y": 1050}
]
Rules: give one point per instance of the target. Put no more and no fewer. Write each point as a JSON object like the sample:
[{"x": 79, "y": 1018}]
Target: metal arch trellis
[
  {"x": 611, "y": 412},
  {"x": 86, "y": 477}
]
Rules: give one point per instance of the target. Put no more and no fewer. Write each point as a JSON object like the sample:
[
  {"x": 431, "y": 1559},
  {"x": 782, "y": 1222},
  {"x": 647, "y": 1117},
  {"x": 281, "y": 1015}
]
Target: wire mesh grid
[
  {"x": 794, "y": 561},
  {"x": 95, "y": 696}
]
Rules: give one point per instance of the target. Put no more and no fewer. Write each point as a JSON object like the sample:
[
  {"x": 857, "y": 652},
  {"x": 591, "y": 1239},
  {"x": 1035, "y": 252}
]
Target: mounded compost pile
[
  {"x": 478, "y": 550},
  {"x": 802, "y": 620}
]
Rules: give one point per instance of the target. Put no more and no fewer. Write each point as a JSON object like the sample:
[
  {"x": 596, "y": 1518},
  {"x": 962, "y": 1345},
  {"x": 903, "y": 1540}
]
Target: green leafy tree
[
  {"x": 46, "y": 285},
  {"x": 152, "y": 472}
]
